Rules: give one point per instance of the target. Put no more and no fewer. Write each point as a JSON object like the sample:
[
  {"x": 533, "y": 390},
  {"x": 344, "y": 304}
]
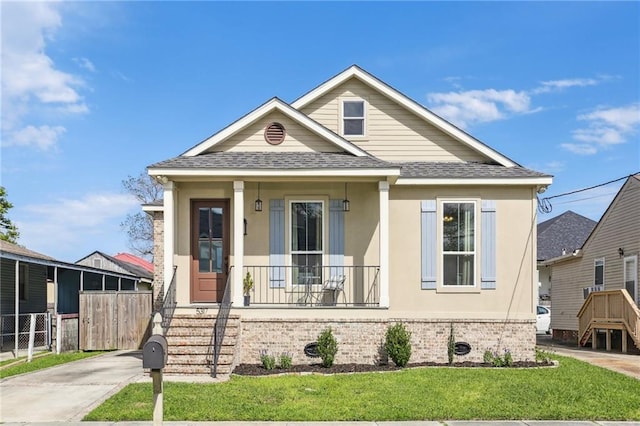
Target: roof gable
[
  {"x": 563, "y": 234},
  {"x": 268, "y": 107},
  {"x": 407, "y": 103},
  {"x": 620, "y": 207}
]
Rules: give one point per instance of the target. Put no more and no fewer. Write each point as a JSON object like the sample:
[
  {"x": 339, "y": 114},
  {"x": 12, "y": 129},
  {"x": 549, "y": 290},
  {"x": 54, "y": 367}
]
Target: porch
[
  {"x": 311, "y": 286},
  {"x": 607, "y": 311}
]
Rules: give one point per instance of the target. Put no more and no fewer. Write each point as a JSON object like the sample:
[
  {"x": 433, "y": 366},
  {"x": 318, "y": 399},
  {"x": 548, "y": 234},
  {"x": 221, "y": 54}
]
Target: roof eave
[
  {"x": 528, "y": 181},
  {"x": 320, "y": 172}
]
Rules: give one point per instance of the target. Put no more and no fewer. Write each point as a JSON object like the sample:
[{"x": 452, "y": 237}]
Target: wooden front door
[{"x": 209, "y": 250}]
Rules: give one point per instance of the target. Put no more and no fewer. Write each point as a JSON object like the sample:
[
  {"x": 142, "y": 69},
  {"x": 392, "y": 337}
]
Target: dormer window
[{"x": 353, "y": 117}]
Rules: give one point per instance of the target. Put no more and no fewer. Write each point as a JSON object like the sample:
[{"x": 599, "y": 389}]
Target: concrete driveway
[{"x": 67, "y": 392}]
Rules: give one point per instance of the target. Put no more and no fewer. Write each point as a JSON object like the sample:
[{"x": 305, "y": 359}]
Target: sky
[{"x": 94, "y": 92}]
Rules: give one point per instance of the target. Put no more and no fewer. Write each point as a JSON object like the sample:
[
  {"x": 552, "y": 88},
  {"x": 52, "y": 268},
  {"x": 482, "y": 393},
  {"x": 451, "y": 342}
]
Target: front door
[{"x": 209, "y": 250}]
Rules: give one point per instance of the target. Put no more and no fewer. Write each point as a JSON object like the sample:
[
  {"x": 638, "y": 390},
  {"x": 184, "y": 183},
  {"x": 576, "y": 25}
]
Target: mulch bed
[{"x": 259, "y": 370}]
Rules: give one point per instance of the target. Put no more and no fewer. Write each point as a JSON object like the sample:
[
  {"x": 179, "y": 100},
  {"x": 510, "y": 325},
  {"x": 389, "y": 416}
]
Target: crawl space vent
[{"x": 274, "y": 133}]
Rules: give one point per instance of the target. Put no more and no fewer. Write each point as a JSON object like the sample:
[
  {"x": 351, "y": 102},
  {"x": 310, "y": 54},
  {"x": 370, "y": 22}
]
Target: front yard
[{"x": 573, "y": 391}]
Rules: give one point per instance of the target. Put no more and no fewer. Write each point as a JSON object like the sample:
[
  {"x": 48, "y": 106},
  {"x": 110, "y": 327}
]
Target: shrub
[
  {"x": 398, "y": 344},
  {"x": 496, "y": 360},
  {"x": 268, "y": 361},
  {"x": 327, "y": 347},
  {"x": 285, "y": 360},
  {"x": 543, "y": 356},
  {"x": 451, "y": 345}
]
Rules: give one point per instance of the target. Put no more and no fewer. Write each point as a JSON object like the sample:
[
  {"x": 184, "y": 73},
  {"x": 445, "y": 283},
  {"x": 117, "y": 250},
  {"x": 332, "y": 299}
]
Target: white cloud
[
  {"x": 43, "y": 137},
  {"x": 479, "y": 106},
  {"x": 580, "y": 149},
  {"x": 556, "y": 85},
  {"x": 73, "y": 225},
  {"x": 30, "y": 79},
  {"x": 85, "y": 63},
  {"x": 605, "y": 127}
]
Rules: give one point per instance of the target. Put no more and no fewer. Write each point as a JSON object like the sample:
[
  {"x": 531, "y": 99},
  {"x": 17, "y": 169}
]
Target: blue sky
[{"x": 93, "y": 92}]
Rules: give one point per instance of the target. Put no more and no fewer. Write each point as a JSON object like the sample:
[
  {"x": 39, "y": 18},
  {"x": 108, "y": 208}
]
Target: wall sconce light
[
  {"x": 245, "y": 227},
  {"x": 345, "y": 203},
  {"x": 621, "y": 251},
  {"x": 258, "y": 203}
]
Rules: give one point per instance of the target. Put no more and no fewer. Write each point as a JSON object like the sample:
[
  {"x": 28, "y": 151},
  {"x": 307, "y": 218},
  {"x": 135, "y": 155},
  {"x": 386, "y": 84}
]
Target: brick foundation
[
  {"x": 361, "y": 341},
  {"x": 565, "y": 337}
]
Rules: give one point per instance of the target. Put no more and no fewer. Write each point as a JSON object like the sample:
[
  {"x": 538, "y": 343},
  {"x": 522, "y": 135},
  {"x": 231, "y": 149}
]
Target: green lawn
[
  {"x": 20, "y": 366},
  {"x": 574, "y": 390}
]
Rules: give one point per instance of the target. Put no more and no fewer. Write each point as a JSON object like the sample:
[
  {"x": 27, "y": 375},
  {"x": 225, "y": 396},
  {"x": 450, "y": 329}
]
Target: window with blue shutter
[
  {"x": 488, "y": 264},
  {"x": 429, "y": 244},
  {"x": 276, "y": 244},
  {"x": 336, "y": 238}
]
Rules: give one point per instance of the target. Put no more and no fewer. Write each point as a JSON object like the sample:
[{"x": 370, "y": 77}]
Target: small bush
[
  {"x": 398, "y": 344},
  {"x": 268, "y": 361},
  {"x": 496, "y": 360},
  {"x": 451, "y": 345},
  {"x": 543, "y": 356},
  {"x": 327, "y": 347},
  {"x": 285, "y": 360}
]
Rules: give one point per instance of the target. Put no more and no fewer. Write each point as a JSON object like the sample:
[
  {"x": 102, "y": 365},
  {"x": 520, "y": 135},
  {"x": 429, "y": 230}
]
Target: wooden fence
[{"x": 114, "y": 319}]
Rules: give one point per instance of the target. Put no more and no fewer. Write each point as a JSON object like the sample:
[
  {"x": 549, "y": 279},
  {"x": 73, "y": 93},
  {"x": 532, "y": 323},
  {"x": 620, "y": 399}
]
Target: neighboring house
[
  {"x": 25, "y": 276},
  {"x": 354, "y": 208},
  {"x": 133, "y": 265},
  {"x": 607, "y": 262},
  {"x": 558, "y": 236}
]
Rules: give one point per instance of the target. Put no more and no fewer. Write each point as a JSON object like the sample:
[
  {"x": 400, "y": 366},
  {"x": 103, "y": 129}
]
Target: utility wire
[{"x": 544, "y": 205}]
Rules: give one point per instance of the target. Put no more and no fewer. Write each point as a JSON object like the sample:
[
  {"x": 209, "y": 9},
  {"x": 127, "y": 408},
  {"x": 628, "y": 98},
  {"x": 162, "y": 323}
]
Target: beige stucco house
[
  {"x": 353, "y": 207},
  {"x": 606, "y": 263}
]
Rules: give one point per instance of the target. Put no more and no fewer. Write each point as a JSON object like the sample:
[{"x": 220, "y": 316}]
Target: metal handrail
[
  {"x": 220, "y": 325},
  {"x": 169, "y": 303},
  {"x": 309, "y": 286}
]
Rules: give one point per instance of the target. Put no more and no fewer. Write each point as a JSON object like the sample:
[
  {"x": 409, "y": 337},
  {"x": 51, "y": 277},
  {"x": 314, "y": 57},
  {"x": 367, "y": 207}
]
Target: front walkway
[{"x": 628, "y": 364}]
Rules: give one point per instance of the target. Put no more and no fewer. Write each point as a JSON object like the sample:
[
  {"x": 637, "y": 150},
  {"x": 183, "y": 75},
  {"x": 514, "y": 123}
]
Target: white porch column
[
  {"x": 169, "y": 231},
  {"x": 238, "y": 240},
  {"x": 16, "y": 328},
  {"x": 383, "y": 187}
]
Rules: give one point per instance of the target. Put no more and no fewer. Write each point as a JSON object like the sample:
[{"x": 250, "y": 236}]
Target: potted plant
[{"x": 247, "y": 286}]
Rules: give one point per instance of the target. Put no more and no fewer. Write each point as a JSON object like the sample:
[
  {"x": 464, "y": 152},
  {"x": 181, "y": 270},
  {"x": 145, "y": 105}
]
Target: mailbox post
[{"x": 154, "y": 357}]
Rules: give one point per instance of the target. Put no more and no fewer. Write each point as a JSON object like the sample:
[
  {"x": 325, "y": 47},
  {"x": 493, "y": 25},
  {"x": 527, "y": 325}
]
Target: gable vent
[{"x": 274, "y": 133}]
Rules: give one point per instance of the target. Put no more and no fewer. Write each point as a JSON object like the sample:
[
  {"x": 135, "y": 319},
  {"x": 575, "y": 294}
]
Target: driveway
[{"x": 67, "y": 392}]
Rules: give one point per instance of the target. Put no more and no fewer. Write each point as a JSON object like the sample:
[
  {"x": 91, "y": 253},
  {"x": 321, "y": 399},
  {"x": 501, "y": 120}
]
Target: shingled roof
[
  {"x": 332, "y": 160},
  {"x": 566, "y": 232}
]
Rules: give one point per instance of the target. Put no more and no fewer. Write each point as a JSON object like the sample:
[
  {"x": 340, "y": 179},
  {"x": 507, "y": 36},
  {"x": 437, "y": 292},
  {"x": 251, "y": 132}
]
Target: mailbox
[{"x": 154, "y": 352}]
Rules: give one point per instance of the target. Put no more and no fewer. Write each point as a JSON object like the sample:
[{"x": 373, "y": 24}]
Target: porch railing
[
  {"x": 169, "y": 303},
  {"x": 221, "y": 323},
  {"x": 315, "y": 286}
]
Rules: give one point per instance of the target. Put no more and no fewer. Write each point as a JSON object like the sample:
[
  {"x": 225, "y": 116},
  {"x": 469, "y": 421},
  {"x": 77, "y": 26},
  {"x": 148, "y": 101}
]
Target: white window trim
[
  {"x": 288, "y": 249},
  {"x": 364, "y": 117},
  {"x": 441, "y": 287},
  {"x": 595, "y": 264}
]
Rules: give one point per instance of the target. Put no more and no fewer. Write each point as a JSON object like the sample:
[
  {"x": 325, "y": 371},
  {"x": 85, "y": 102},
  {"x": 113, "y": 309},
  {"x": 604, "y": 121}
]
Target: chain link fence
[{"x": 42, "y": 333}]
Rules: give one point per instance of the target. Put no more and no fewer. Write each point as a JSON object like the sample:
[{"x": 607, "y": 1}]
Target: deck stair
[
  {"x": 609, "y": 310},
  {"x": 190, "y": 345}
]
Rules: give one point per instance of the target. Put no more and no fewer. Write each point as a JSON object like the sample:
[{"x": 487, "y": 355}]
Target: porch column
[
  {"x": 383, "y": 187},
  {"x": 16, "y": 328},
  {"x": 169, "y": 231},
  {"x": 238, "y": 240}
]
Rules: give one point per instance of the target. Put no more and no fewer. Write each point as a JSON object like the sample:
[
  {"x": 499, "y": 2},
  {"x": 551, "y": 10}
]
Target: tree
[
  {"x": 139, "y": 226},
  {"x": 8, "y": 231}
]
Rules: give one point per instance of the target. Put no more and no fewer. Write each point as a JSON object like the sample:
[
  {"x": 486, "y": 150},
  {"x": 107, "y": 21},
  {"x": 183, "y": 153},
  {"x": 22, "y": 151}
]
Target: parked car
[{"x": 543, "y": 320}]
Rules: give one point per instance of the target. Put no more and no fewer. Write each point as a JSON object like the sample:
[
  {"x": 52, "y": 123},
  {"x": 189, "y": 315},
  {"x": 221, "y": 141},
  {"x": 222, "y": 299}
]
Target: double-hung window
[
  {"x": 307, "y": 234},
  {"x": 458, "y": 243},
  {"x": 353, "y": 117},
  {"x": 598, "y": 274}
]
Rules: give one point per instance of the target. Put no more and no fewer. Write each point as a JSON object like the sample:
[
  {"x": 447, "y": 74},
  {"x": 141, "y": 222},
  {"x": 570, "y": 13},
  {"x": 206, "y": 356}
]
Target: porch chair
[{"x": 335, "y": 285}]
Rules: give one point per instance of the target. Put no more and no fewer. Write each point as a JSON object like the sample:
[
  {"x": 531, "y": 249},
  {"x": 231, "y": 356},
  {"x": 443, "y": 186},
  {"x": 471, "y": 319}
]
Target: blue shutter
[
  {"x": 276, "y": 244},
  {"x": 429, "y": 244},
  {"x": 488, "y": 235},
  {"x": 336, "y": 238}
]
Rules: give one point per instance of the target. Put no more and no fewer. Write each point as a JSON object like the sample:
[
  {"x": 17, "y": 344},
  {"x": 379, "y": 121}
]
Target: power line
[{"x": 545, "y": 206}]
